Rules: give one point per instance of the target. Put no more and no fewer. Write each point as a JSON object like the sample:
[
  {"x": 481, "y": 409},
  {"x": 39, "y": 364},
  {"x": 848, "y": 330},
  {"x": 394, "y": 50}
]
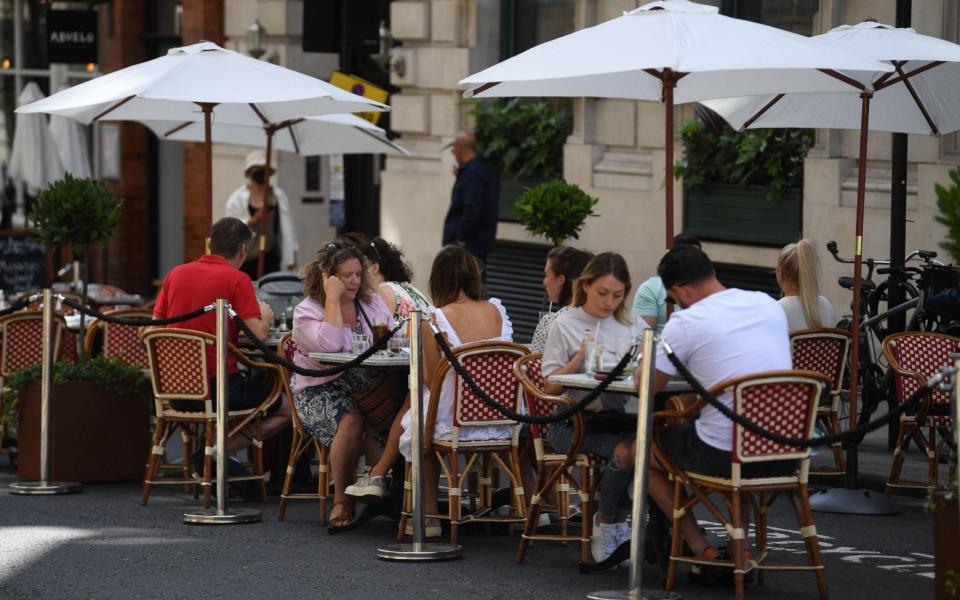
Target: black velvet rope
[
  {"x": 22, "y": 304},
  {"x": 856, "y": 432},
  {"x": 561, "y": 415},
  {"x": 272, "y": 357},
  {"x": 92, "y": 312}
]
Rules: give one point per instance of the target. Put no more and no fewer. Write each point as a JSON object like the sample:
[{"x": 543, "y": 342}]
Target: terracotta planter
[
  {"x": 946, "y": 547},
  {"x": 96, "y": 435}
]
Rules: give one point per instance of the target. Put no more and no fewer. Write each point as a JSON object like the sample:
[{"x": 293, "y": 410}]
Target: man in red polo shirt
[{"x": 201, "y": 282}]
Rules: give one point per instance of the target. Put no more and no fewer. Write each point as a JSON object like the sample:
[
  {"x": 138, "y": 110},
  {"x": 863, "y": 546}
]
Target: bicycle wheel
[{"x": 879, "y": 295}]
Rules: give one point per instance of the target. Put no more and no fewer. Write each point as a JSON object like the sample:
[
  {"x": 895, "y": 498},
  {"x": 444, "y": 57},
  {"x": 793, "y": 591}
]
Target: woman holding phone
[{"x": 339, "y": 303}]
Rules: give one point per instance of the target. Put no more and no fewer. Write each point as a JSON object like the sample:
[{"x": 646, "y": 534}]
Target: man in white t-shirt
[{"x": 721, "y": 334}]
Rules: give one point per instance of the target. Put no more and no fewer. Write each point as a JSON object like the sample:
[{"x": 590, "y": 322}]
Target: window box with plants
[
  {"x": 742, "y": 187},
  {"x": 100, "y": 420},
  {"x": 523, "y": 139}
]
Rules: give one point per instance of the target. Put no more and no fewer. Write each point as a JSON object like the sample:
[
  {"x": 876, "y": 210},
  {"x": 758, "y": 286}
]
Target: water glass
[
  {"x": 361, "y": 342},
  {"x": 398, "y": 342}
]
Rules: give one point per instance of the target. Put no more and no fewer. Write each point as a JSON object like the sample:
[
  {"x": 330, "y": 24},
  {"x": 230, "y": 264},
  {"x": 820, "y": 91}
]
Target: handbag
[{"x": 376, "y": 403}]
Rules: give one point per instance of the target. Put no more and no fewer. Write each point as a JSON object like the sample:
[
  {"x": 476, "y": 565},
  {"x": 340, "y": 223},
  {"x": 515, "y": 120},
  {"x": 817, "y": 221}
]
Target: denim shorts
[{"x": 688, "y": 452}]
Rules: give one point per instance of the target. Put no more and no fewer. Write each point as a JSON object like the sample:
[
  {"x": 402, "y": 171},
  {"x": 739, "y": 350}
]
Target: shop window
[
  {"x": 796, "y": 16},
  {"x": 526, "y": 23}
]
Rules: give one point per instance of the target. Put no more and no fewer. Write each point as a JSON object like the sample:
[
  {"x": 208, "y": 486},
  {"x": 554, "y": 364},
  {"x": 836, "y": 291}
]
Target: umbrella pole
[
  {"x": 265, "y": 216},
  {"x": 207, "y": 108},
  {"x": 669, "y": 83},
  {"x": 852, "y": 500}
]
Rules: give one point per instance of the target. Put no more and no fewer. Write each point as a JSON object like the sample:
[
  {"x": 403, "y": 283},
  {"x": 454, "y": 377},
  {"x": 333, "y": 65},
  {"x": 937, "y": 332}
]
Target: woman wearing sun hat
[{"x": 246, "y": 203}]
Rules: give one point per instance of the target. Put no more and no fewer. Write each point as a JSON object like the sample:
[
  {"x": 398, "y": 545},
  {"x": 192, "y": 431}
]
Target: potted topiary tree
[
  {"x": 743, "y": 187},
  {"x": 556, "y": 210},
  {"x": 948, "y": 203},
  {"x": 81, "y": 213},
  {"x": 523, "y": 139}
]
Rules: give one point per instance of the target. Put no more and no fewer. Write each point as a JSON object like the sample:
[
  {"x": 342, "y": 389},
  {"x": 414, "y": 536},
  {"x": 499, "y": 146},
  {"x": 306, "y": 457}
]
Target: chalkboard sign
[{"x": 23, "y": 261}]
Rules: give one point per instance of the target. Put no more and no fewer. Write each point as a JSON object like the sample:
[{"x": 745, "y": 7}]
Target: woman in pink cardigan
[{"x": 339, "y": 303}]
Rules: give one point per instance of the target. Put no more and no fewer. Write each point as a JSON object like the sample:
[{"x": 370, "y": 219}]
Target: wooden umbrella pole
[
  {"x": 265, "y": 216},
  {"x": 669, "y": 83},
  {"x": 207, "y": 108},
  {"x": 857, "y": 274}
]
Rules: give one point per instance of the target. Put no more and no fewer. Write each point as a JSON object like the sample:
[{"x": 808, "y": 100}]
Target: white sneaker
[
  {"x": 431, "y": 528},
  {"x": 543, "y": 520},
  {"x": 604, "y": 541},
  {"x": 367, "y": 486}
]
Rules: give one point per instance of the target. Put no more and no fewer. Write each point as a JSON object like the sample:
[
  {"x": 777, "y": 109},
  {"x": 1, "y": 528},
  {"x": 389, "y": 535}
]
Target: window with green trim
[{"x": 526, "y": 23}]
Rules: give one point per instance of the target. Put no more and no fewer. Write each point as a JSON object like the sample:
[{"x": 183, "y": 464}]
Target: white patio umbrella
[
  {"x": 672, "y": 51},
  {"x": 34, "y": 159},
  {"x": 330, "y": 134},
  {"x": 921, "y": 96},
  {"x": 70, "y": 138},
  {"x": 203, "y": 82}
]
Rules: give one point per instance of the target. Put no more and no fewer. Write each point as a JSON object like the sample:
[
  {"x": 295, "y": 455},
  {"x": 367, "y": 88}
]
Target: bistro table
[{"x": 391, "y": 504}]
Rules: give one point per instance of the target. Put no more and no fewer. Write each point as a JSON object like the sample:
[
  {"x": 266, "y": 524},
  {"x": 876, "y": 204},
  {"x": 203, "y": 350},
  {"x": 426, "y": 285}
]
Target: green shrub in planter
[
  {"x": 556, "y": 210},
  {"x": 523, "y": 137},
  {"x": 948, "y": 202}
]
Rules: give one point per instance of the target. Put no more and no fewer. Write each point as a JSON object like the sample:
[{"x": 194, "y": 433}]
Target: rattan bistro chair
[
  {"x": 784, "y": 402},
  {"x": 120, "y": 341},
  {"x": 178, "y": 367},
  {"x": 914, "y": 358},
  {"x": 301, "y": 443},
  {"x": 555, "y": 471},
  {"x": 491, "y": 366},
  {"x": 825, "y": 351}
]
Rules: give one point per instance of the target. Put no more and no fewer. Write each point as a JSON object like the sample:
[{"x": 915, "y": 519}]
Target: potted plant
[
  {"x": 100, "y": 421},
  {"x": 948, "y": 203},
  {"x": 556, "y": 210},
  {"x": 81, "y": 213},
  {"x": 743, "y": 187},
  {"x": 523, "y": 139}
]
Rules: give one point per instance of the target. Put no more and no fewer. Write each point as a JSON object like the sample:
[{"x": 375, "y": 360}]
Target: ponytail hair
[{"x": 799, "y": 264}]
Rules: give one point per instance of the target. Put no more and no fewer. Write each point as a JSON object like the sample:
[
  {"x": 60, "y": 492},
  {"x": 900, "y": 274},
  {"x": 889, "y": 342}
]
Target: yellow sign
[{"x": 361, "y": 87}]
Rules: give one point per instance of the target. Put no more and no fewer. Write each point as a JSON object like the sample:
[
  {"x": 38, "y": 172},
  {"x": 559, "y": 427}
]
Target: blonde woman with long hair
[{"x": 798, "y": 274}]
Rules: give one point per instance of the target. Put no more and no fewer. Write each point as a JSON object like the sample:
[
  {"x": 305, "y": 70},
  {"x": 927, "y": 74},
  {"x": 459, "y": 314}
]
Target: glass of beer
[{"x": 379, "y": 331}]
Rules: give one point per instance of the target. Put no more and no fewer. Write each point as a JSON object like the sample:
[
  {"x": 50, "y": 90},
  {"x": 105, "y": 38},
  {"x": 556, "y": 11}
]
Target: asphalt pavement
[{"x": 102, "y": 544}]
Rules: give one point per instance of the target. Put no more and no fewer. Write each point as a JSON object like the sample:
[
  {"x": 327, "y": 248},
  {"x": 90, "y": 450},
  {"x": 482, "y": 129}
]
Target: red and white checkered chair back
[
  {"x": 922, "y": 354},
  {"x": 530, "y": 369},
  {"x": 784, "y": 402},
  {"x": 823, "y": 351},
  {"x": 68, "y": 346},
  {"x": 123, "y": 341},
  {"x": 178, "y": 364},
  {"x": 491, "y": 366},
  {"x": 23, "y": 341}
]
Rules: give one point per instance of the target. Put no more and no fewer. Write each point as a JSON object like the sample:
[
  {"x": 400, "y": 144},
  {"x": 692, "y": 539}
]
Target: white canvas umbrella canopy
[
  {"x": 34, "y": 159},
  {"x": 70, "y": 138},
  {"x": 330, "y": 134},
  {"x": 672, "y": 51},
  {"x": 203, "y": 82},
  {"x": 922, "y": 95}
]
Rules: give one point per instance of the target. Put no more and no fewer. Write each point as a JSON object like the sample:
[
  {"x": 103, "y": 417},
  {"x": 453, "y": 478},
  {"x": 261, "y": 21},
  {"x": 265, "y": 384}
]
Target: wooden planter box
[
  {"x": 96, "y": 435},
  {"x": 510, "y": 190},
  {"x": 742, "y": 214},
  {"x": 946, "y": 548}
]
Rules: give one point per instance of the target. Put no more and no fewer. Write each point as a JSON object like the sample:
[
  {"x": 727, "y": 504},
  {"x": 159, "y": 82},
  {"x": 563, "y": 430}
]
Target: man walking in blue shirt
[{"x": 474, "y": 203}]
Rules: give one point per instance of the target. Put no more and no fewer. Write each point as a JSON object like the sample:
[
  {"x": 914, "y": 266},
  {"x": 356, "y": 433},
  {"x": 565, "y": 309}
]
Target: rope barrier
[
  {"x": 92, "y": 312},
  {"x": 22, "y": 304},
  {"x": 857, "y": 432},
  {"x": 564, "y": 414},
  {"x": 272, "y": 357},
  {"x": 560, "y": 415}
]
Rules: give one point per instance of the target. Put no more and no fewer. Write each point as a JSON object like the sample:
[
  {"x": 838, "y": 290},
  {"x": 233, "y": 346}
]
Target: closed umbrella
[
  {"x": 70, "y": 137},
  {"x": 672, "y": 51},
  {"x": 34, "y": 159},
  {"x": 330, "y": 134},
  {"x": 921, "y": 95},
  {"x": 203, "y": 82}
]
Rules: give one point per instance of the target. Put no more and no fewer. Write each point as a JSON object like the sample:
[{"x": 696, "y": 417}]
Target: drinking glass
[{"x": 361, "y": 342}]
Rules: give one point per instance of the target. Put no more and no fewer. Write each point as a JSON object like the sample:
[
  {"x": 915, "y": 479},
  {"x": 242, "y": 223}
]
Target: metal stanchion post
[
  {"x": 644, "y": 431},
  {"x": 220, "y": 516},
  {"x": 45, "y": 487},
  {"x": 418, "y": 551}
]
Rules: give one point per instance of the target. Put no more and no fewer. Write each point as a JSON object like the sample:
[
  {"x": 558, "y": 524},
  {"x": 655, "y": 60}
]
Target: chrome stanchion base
[
  {"x": 628, "y": 595},
  {"x": 852, "y": 502},
  {"x": 420, "y": 552},
  {"x": 232, "y": 518},
  {"x": 44, "y": 488}
]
